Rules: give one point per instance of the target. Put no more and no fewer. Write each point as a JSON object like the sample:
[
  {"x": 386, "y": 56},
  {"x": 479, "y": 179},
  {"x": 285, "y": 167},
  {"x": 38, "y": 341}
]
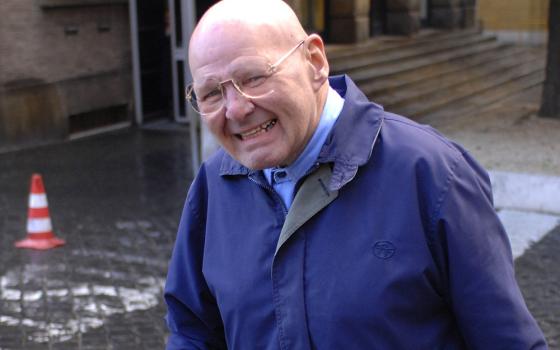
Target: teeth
[{"x": 264, "y": 127}]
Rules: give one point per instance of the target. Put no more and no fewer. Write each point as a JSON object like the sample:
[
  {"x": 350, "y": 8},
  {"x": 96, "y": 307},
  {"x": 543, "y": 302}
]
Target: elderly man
[{"x": 325, "y": 222}]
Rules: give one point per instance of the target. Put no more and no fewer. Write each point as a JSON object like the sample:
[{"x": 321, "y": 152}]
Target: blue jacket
[{"x": 392, "y": 243}]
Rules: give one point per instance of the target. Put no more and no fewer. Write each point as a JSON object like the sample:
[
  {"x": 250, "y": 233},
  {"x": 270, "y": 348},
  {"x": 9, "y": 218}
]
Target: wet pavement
[{"x": 116, "y": 199}]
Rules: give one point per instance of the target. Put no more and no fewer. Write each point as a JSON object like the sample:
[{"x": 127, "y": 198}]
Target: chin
[{"x": 255, "y": 163}]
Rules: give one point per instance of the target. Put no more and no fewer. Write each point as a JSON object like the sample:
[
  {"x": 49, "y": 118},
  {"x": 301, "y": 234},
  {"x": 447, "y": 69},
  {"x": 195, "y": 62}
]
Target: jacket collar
[{"x": 350, "y": 143}]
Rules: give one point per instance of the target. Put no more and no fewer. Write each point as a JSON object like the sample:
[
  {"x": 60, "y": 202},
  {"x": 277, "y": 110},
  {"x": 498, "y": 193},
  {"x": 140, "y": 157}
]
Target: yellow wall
[{"x": 514, "y": 15}]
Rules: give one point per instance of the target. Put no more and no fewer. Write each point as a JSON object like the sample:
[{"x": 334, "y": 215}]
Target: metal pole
[
  {"x": 173, "y": 47},
  {"x": 137, "y": 83},
  {"x": 189, "y": 21}
]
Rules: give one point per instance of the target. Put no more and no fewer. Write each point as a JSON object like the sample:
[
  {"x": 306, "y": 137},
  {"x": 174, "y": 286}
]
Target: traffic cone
[{"x": 39, "y": 227}]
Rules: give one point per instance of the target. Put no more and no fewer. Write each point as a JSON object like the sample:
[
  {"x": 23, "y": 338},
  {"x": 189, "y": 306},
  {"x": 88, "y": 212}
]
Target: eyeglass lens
[{"x": 250, "y": 79}]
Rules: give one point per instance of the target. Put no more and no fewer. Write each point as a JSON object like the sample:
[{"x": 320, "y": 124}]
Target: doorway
[
  {"x": 378, "y": 12},
  {"x": 424, "y": 13},
  {"x": 183, "y": 15},
  {"x": 154, "y": 61}
]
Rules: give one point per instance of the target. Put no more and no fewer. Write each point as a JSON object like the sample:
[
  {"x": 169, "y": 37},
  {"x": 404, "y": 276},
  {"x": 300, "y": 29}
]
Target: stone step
[
  {"x": 439, "y": 74},
  {"x": 481, "y": 90},
  {"x": 361, "y": 62},
  {"x": 338, "y": 53},
  {"x": 342, "y": 51},
  {"x": 370, "y": 74},
  {"x": 471, "y": 105},
  {"x": 507, "y": 110},
  {"x": 401, "y": 80},
  {"x": 440, "y": 84}
]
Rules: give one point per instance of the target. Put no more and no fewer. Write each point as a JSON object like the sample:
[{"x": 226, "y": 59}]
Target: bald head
[
  {"x": 232, "y": 52},
  {"x": 270, "y": 20}
]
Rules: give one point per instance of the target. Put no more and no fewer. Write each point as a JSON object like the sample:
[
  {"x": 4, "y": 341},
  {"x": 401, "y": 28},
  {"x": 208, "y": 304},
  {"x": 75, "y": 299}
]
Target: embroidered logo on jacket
[{"x": 384, "y": 249}]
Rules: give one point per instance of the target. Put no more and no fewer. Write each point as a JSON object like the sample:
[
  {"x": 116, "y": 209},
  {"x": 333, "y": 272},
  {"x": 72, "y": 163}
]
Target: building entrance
[
  {"x": 152, "y": 66},
  {"x": 160, "y": 31},
  {"x": 424, "y": 13},
  {"x": 378, "y": 11}
]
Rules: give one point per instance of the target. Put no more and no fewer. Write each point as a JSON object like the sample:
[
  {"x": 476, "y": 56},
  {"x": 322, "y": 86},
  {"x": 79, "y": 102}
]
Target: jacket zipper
[{"x": 274, "y": 194}]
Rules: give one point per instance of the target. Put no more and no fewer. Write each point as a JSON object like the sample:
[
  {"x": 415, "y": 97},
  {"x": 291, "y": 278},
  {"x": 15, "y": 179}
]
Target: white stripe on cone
[
  {"x": 39, "y": 225},
  {"x": 38, "y": 201}
]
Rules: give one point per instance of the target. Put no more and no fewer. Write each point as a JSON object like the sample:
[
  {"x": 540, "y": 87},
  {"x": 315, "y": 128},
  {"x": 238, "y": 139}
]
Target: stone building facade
[
  {"x": 520, "y": 21},
  {"x": 65, "y": 65},
  {"x": 349, "y": 21}
]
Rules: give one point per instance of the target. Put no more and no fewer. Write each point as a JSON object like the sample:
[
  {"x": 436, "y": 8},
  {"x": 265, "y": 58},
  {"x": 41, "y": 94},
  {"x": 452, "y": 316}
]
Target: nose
[{"x": 237, "y": 106}]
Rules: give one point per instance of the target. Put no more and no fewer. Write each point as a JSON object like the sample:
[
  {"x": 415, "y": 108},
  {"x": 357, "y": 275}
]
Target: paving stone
[
  {"x": 539, "y": 278},
  {"x": 116, "y": 200}
]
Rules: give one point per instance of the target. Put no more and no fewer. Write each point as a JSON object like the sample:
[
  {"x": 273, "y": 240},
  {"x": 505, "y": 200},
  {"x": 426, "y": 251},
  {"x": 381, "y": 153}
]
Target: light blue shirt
[{"x": 284, "y": 180}]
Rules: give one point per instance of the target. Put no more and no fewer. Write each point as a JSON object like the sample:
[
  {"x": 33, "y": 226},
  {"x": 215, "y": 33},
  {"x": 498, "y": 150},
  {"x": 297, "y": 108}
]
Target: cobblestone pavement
[
  {"x": 116, "y": 200},
  {"x": 538, "y": 275}
]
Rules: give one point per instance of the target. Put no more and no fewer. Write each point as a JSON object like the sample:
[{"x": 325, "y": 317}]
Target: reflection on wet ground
[{"x": 116, "y": 200}]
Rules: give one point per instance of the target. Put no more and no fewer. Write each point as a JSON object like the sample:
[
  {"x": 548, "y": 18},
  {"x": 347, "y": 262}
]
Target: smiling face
[{"x": 273, "y": 129}]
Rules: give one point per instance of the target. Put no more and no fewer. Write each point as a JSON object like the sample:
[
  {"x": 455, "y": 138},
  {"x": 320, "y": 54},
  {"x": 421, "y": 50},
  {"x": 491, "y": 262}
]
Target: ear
[{"x": 317, "y": 60}]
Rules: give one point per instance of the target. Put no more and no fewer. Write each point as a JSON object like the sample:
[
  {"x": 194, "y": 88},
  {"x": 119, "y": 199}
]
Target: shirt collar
[{"x": 296, "y": 170}]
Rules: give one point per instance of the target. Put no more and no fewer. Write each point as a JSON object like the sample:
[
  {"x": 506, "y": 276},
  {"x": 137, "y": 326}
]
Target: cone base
[{"x": 40, "y": 244}]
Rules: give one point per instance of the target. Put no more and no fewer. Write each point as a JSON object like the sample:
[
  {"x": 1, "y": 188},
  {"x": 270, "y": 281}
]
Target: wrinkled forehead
[{"x": 238, "y": 69}]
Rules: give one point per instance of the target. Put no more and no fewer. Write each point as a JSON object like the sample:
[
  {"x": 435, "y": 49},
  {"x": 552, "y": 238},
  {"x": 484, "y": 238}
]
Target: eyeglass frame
[{"x": 271, "y": 69}]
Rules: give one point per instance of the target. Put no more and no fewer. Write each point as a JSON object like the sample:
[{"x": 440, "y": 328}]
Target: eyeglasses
[{"x": 250, "y": 79}]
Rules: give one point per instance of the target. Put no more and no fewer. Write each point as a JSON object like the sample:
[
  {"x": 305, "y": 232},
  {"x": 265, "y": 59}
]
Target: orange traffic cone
[{"x": 39, "y": 226}]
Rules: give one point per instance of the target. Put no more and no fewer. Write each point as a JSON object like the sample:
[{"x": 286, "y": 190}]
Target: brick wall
[
  {"x": 57, "y": 61},
  {"x": 61, "y": 43}
]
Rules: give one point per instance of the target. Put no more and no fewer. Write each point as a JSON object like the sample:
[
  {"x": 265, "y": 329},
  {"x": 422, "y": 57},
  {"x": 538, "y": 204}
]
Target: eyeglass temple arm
[{"x": 287, "y": 55}]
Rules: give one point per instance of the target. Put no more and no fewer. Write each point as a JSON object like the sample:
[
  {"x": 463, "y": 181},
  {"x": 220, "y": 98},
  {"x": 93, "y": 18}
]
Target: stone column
[
  {"x": 403, "y": 16},
  {"x": 446, "y": 14},
  {"x": 469, "y": 13},
  {"x": 348, "y": 21}
]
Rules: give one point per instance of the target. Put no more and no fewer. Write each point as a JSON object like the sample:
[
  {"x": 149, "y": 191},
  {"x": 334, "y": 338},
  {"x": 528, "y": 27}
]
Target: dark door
[
  {"x": 425, "y": 13},
  {"x": 155, "y": 59},
  {"x": 378, "y": 13}
]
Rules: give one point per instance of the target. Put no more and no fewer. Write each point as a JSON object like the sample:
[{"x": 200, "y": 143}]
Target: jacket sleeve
[
  {"x": 192, "y": 316},
  {"x": 475, "y": 252}
]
